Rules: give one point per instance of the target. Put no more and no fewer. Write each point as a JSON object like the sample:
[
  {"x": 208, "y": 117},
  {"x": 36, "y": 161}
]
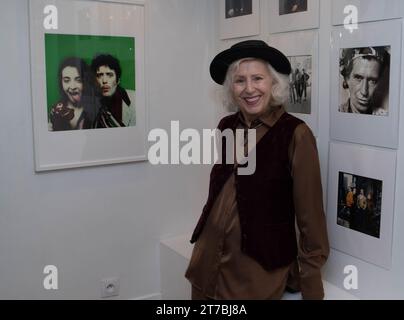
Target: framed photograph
[
  {"x": 239, "y": 18},
  {"x": 303, "y": 94},
  {"x": 88, "y": 83},
  {"x": 365, "y": 87},
  {"x": 361, "y": 189},
  {"x": 366, "y": 10},
  {"x": 292, "y": 15}
]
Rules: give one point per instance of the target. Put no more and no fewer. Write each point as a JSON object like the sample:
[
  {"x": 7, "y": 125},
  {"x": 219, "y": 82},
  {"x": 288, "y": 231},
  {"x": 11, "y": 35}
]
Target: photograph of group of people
[
  {"x": 300, "y": 85},
  {"x": 359, "y": 203},
  {"x": 292, "y": 6},
  {"x": 364, "y": 80},
  {"x": 237, "y": 8},
  {"x": 85, "y": 88}
]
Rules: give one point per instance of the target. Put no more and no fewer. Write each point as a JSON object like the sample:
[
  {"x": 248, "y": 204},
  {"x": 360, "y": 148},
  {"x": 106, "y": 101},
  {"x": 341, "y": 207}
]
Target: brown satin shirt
[{"x": 219, "y": 270}]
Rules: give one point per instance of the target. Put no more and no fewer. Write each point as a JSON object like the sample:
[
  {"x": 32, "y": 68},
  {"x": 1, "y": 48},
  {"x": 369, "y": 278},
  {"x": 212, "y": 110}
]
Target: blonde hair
[{"x": 280, "y": 85}]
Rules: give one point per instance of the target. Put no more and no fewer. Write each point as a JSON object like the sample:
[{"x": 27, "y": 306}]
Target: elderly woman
[{"x": 245, "y": 240}]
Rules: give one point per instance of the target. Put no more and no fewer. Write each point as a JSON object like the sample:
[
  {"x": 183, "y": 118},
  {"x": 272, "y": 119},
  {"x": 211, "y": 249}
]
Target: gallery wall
[
  {"x": 382, "y": 277},
  {"x": 104, "y": 221},
  {"x": 107, "y": 221},
  {"x": 376, "y": 281}
]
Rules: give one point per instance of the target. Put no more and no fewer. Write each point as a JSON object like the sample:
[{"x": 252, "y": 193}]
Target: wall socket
[{"x": 109, "y": 287}]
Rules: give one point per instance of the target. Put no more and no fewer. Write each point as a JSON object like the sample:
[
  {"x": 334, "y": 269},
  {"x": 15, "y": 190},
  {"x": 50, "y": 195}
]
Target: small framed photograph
[
  {"x": 303, "y": 91},
  {"x": 292, "y": 15},
  {"x": 361, "y": 201},
  {"x": 88, "y": 83},
  {"x": 365, "y": 10},
  {"x": 365, "y": 87},
  {"x": 239, "y": 18}
]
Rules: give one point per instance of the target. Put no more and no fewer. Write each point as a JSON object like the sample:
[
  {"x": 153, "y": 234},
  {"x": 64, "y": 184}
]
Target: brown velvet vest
[{"x": 264, "y": 199}]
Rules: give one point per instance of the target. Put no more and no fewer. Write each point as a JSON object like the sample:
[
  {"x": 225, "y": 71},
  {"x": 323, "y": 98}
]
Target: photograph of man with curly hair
[{"x": 364, "y": 80}]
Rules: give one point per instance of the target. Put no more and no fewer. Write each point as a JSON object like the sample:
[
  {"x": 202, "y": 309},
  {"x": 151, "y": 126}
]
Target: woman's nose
[{"x": 249, "y": 87}]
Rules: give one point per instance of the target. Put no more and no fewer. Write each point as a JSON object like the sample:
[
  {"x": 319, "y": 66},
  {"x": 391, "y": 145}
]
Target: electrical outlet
[{"x": 109, "y": 287}]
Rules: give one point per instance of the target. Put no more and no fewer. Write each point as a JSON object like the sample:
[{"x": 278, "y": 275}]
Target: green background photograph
[{"x": 61, "y": 46}]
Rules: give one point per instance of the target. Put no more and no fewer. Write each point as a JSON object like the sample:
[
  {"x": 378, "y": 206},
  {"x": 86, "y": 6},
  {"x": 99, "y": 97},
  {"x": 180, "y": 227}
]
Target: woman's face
[
  {"x": 252, "y": 87},
  {"x": 72, "y": 84}
]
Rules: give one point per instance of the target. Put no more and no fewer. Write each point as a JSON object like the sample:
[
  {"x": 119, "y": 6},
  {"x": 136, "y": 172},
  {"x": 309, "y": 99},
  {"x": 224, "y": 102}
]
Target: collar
[{"x": 269, "y": 118}]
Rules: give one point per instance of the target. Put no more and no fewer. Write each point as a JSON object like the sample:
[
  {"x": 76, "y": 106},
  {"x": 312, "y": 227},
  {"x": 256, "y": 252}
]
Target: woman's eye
[{"x": 239, "y": 81}]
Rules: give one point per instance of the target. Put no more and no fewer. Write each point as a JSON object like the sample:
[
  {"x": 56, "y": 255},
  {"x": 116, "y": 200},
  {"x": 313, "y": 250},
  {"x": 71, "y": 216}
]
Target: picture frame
[
  {"x": 86, "y": 30},
  {"x": 304, "y": 15},
  {"x": 370, "y": 169},
  {"x": 304, "y": 56},
  {"x": 239, "y": 18},
  {"x": 380, "y": 126},
  {"x": 367, "y": 10}
]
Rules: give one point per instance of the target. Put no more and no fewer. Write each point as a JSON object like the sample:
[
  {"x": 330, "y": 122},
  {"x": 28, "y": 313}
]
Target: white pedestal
[{"x": 175, "y": 254}]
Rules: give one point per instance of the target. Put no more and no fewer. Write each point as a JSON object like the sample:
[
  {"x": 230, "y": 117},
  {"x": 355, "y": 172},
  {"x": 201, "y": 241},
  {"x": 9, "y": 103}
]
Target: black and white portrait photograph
[
  {"x": 300, "y": 84},
  {"x": 365, "y": 83},
  {"x": 359, "y": 203},
  {"x": 292, "y": 6},
  {"x": 364, "y": 80},
  {"x": 237, "y": 8}
]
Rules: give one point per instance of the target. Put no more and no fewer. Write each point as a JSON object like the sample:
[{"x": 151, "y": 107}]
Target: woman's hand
[{"x": 60, "y": 117}]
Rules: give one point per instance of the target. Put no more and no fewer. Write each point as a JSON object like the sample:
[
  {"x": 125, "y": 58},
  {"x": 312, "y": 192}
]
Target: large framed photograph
[
  {"x": 365, "y": 10},
  {"x": 88, "y": 83},
  {"x": 365, "y": 87},
  {"x": 292, "y": 15},
  {"x": 239, "y": 18},
  {"x": 303, "y": 92},
  {"x": 361, "y": 201}
]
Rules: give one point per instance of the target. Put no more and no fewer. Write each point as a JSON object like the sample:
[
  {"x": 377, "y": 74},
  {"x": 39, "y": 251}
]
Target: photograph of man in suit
[{"x": 300, "y": 85}]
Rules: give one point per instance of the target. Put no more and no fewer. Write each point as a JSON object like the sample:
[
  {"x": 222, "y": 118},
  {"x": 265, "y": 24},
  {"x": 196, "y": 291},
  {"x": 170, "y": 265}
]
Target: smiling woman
[
  {"x": 245, "y": 240},
  {"x": 262, "y": 75},
  {"x": 251, "y": 88}
]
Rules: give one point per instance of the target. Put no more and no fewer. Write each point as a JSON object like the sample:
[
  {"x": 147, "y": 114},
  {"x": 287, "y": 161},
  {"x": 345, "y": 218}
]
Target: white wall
[
  {"x": 100, "y": 222},
  {"x": 374, "y": 282},
  {"x": 107, "y": 221}
]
